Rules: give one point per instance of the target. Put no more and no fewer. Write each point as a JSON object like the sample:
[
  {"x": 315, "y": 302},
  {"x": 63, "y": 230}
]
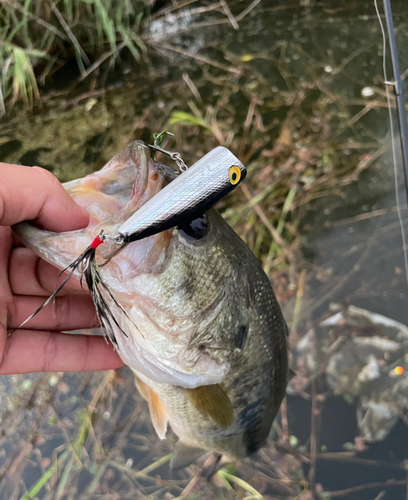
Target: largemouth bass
[{"x": 195, "y": 316}]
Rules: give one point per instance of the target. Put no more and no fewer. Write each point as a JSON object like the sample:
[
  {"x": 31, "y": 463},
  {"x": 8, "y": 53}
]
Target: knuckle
[
  {"x": 87, "y": 352},
  {"x": 62, "y": 312},
  {"x": 46, "y": 177},
  {"x": 44, "y": 174},
  {"x": 11, "y": 312},
  {"x": 50, "y": 353},
  {"x": 39, "y": 276},
  {"x": 4, "y": 355}
]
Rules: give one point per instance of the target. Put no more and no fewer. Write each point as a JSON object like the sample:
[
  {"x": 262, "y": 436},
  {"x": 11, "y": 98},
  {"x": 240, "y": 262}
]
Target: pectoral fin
[
  {"x": 213, "y": 402},
  {"x": 157, "y": 412}
]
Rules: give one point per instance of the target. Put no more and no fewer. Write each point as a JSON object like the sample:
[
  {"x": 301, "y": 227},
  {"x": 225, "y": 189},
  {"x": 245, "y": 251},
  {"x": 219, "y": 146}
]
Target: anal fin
[{"x": 158, "y": 414}]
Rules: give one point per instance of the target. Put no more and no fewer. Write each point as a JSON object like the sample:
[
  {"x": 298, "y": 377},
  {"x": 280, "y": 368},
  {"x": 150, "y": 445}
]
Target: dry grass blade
[
  {"x": 249, "y": 9},
  {"x": 197, "y": 57},
  {"x": 228, "y": 13},
  {"x": 71, "y": 36},
  {"x": 158, "y": 463}
]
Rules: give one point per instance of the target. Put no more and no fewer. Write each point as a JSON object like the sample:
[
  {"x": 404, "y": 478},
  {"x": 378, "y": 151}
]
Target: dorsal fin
[
  {"x": 213, "y": 402},
  {"x": 158, "y": 414}
]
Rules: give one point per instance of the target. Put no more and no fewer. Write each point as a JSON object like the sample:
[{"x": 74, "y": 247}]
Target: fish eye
[
  {"x": 195, "y": 229},
  {"x": 234, "y": 174}
]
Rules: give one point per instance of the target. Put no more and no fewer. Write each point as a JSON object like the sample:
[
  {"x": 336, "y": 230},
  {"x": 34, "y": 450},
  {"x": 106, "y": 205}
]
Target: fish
[{"x": 192, "y": 312}]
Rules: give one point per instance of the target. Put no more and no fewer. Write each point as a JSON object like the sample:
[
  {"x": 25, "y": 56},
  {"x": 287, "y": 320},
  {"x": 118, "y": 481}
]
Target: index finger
[{"x": 33, "y": 193}]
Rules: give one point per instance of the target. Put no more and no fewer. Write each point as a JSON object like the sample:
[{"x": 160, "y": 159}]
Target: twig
[
  {"x": 275, "y": 235},
  {"x": 207, "y": 471},
  {"x": 284, "y": 417},
  {"x": 313, "y": 440},
  {"x": 289, "y": 451},
  {"x": 96, "y": 479},
  {"x": 192, "y": 87},
  {"x": 108, "y": 379},
  {"x": 99, "y": 61},
  {"x": 371, "y": 159},
  {"x": 129, "y": 424},
  {"x": 157, "y": 464},
  {"x": 366, "y": 215},
  {"x": 350, "y": 458},
  {"x": 351, "y": 56},
  {"x": 246, "y": 11},
  {"x": 362, "y": 487},
  {"x": 197, "y": 57},
  {"x": 298, "y": 306},
  {"x": 380, "y": 495},
  {"x": 130, "y": 472},
  {"x": 247, "y": 126},
  {"x": 228, "y": 13}
]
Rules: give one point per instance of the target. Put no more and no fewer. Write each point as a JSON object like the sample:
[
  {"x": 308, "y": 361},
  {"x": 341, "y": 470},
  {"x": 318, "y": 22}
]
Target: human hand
[{"x": 32, "y": 193}]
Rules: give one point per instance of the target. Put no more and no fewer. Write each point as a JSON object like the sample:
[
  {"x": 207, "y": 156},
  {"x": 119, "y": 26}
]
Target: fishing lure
[
  {"x": 190, "y": 195},
  {"x": 187, "y": 197}
]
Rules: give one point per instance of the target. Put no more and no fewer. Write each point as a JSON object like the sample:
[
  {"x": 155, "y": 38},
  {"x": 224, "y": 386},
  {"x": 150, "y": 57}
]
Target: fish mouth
[
  {"x": 116, "y": 192},
  {"x": 111, "y": 195},
  {"x": 126, "y": 182}
]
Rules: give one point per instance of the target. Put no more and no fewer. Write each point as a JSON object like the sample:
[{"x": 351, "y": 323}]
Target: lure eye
[{"x": 234, "y": 175}]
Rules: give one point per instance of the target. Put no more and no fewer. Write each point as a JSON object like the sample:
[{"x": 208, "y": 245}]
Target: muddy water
[{"x": 314, "y": 72}]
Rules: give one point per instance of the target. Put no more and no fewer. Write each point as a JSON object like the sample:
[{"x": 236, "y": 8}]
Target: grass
[
  {"x": 227, "y": 478},
  {"x": 39, "y": 36}
]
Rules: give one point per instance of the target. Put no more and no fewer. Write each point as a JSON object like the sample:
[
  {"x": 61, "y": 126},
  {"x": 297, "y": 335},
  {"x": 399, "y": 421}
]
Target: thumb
[{"x": 33, "y": 193}]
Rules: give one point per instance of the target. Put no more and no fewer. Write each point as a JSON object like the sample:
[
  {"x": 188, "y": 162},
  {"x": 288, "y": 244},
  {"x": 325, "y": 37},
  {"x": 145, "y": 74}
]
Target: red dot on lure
[{"x": 96, "y": 242}]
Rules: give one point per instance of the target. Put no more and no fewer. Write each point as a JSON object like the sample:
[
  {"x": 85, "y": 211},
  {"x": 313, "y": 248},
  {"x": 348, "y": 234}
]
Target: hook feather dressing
[{"x": 99, "y": 290}]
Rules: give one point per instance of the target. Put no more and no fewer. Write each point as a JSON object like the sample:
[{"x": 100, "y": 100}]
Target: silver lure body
[{"x": 188, "y": 196}]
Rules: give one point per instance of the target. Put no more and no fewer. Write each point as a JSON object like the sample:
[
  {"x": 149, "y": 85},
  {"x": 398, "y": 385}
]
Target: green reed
[{"x": 39, "y": 36}]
